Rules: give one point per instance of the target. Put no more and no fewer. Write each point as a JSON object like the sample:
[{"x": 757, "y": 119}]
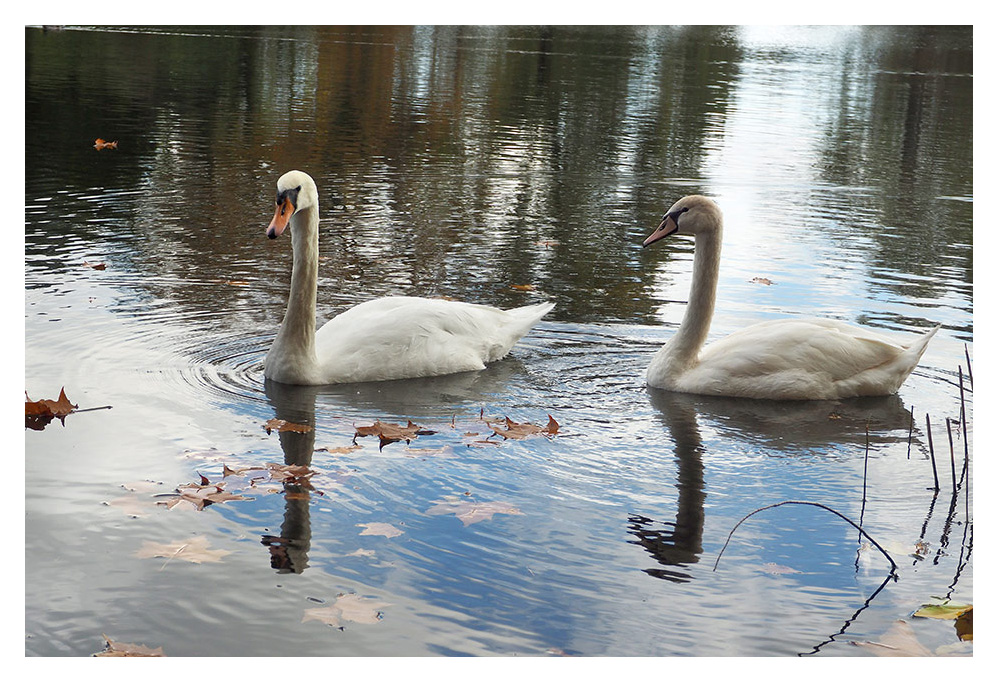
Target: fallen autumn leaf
[
  {"x": 347, "y": 607},
  {"x": 195, "y": 550},
  {"x": 471, "y": 512},
  {"x": 121, "y": 649}
]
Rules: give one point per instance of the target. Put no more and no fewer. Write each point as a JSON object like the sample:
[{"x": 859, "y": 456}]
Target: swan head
[
  {"x": 693, "y": 215},
  {"x": 295, "y": 192}
]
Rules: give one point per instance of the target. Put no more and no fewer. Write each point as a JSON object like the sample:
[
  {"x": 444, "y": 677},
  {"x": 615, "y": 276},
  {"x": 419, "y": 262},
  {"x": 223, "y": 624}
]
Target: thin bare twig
[
  {"x": 812, "y": 504},
  {"x": 932, "y": 453}
]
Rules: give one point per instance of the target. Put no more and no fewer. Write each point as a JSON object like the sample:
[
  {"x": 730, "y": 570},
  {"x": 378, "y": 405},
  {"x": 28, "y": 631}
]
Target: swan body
[
  {"x": 791, "y": 359},
  {"x": 398, "y": 337}
]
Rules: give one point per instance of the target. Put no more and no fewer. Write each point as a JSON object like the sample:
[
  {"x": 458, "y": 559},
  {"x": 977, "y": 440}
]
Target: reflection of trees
[
  {"x": 905, "y": 128},
  {"x": 443, "y": 154}
]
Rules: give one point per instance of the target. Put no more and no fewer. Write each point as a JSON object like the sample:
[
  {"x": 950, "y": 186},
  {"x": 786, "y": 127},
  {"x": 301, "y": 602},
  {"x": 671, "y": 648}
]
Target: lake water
[{"x": 498, "y": 165}]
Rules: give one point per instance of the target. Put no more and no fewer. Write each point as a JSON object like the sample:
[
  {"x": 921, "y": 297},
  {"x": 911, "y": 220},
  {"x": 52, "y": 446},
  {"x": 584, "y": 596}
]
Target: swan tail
[
  {"x": 519, "y": 321},
  {"x": 918, "y": 346}
]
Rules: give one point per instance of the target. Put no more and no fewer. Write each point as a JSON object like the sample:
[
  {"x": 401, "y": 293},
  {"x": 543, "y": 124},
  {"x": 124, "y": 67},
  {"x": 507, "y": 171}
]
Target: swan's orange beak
[
  {"x": 282, "y": 216},
  {"x": 664, "y": 229}
]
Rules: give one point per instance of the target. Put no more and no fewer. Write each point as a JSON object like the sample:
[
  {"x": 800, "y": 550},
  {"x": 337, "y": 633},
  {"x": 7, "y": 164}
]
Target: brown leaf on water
[
  {"x": 762, "y": 280},
  {"x": 282, "y": 425},
  {"x": 195, "y": 550},
  {"x": 523, "y": 287},
  {"x": 100, "y": 144},
  {"x": 53, "y": 408},
  {"x": 377, "y": 528},
  {"x": 95, "y": 266},
  {"x": 38, "y": 413},
  {"x": 347, "y": 607},
  {"x": 295, "y": 474},
  {"x": 513, "y": 430},
  {"x": 899, "y": 640},
  {"x": 112, "y": 648},
  {"x": 391, "y": 433},
  {"x": 340, "y": 450},
  {"x": 470, "y": 511},
  {"x": 201, "y": 495},
  {"x": 229, "y": 471}
]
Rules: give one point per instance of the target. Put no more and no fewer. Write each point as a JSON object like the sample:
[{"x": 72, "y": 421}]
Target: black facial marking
[
  {"x": 675, "y": 215},
  {"x": 291, "y": 195}
]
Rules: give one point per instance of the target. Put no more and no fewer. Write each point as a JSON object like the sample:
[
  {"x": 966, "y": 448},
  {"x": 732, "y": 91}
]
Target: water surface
[{"x": 498, "y": 165}]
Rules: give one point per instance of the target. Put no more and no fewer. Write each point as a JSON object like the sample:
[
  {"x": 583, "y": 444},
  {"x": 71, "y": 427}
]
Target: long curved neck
[
  {"x": 295, "y": 341},
  {"x": 685, "y": 346}
]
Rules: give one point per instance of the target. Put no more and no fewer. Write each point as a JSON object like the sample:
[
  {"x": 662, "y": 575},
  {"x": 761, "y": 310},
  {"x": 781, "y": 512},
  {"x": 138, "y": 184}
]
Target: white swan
[
  {"x": 398, "y": 337},
  {"x": 792, "y": 359}
]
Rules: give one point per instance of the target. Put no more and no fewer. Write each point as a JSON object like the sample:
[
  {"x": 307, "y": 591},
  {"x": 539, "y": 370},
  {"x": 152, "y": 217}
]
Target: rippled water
[{"x": 462, "y": 162}]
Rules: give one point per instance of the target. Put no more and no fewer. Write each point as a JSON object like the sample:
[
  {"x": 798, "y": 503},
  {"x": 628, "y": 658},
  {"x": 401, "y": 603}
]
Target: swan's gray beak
[
  {"x": 664, "y": 229},
  {"x": 282, "y": 216}
]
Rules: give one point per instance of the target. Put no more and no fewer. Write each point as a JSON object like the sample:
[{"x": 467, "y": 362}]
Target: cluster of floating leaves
[{"x": 295, "y": 481}]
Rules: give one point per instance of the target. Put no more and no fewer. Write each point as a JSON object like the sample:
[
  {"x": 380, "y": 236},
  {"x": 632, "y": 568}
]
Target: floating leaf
[
  {"x": 377, "y": 528},
  {"x": 131, "y": 505},
  {"x": 100, "y": 144},
  {"x": 95, "y": 266},
  {"x": 965, "y": 626},
  {"x": 282, "y": 425},
  {"x": 341, "y": 450},
  {"x": 777, "y": 569},
  {"x": 943, "y": 611},
  {"x": 112, "y": 648},
  {"x": 513, "y": 430},
  {"x": 290, "y": 473},
  {"x": 201, "y": 495},
  {"x": 194, "y": 550},
  {"x": 761, "y": 280},
  {"x": 471, "y": 512},
  {"x": 391, "y": 433},
  {"x": 899, "y": 640},
  {"x": 523, "y": 287},
  {"x": 38, "y": 413},
  {"x": 347, "y": 607},
  {"x": 229, "y": 471},
  {"x": 54, "y": 408}
]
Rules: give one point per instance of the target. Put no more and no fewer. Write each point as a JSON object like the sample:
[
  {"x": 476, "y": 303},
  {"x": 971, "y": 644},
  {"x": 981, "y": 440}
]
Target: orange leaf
[
  {"x": 100, "y": 144},
  {"x": 95, "y": 266},
  {"x": 55, "y": 408}
]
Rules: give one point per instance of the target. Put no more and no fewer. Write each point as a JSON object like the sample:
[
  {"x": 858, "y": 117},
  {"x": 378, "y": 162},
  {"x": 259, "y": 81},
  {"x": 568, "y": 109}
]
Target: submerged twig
[
  {"x": 911, "y": 428},
  {"x": 812, "y": 504},
  {"x": 932, "y": 454},
  {"x": 866, "y": 463},
  {"x": 952, "y": 456},
  {"x": 963, "y": 421}
]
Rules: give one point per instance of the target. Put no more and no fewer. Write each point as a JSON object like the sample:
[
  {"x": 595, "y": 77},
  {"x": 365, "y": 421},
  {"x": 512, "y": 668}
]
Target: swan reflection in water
[{"x": 781, "y": 428}]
